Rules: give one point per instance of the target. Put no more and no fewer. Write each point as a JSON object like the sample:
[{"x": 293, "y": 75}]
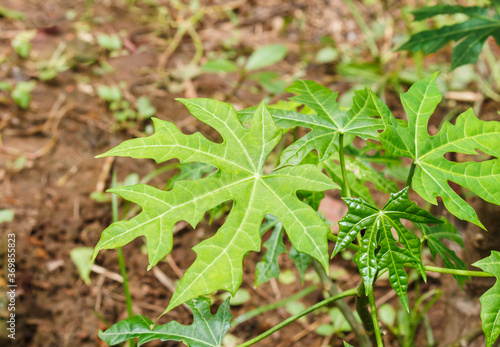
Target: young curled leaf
[{"x": 379, "y": 248}]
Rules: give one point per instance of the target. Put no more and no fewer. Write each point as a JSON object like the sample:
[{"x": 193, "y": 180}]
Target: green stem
[
  {"x": 121, "y": 259},
  {"x": 429, "y": 268},
  {"x": 313, "y": 308},
  {"x": 453, "y": 271},
  {"x": 376, "y": 326},
  {"x": 362, "y": 303},
  {"x": 347, "y": 192},
  {"x": 410, "y": 174},
  {"x": 351, "y": 246},
  {"x": 255, "y": 312},
  {"x": 332, "y": 289},
  {"x": 126, "y": 289}
]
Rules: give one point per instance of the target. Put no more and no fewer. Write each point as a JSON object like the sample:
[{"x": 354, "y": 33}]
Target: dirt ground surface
[{"x": 48, "y": 167}]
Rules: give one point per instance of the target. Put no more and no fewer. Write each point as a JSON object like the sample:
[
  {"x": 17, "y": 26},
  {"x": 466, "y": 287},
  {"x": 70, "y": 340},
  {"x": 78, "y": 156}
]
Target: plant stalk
[
  {"x": 357, "y": 329},
  {"x": 429, "y": 268},
  {"x": 252, "y": 313},
  {"x": 362, "y": 303},
  {"x": 121, "y": 259},
  {"x": 313, "y": 308},
  {"x": 347, "y": 192},
  {"x": 376, "y": 326},
  {"x": 410, "y": 174},
  {"x": 453, "y": 271}
]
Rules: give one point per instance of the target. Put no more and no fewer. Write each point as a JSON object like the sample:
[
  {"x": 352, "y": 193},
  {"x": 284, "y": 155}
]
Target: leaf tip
[
  {"x": 104, "y": 155},
  {"x": 170, "y": 307},
  {"x": 404, "y": 301},
  {"x": 94, "y": 255},
  {"x": 101, "y": 335}
]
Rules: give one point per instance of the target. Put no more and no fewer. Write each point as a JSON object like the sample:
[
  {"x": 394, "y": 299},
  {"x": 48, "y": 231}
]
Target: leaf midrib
[
  {"x": 389, "y": 250},
  {"x": 495, "y": 24},
  {"x": 355, "y": 116},
  {"x": 456, "y": 173},
  {"x": 291, "y": 213},
  {"x": 451, "y": 143},
  {"x": 206, "y": 323},
  {"x": 177, "y": 206},
  {"x": 208, "y": 266},
  {"x": 243, "y": 148},
  {"x": 313, "y": 95},
  {"x": 113, "y": 153},
  {"x": 443, "y": 189}
]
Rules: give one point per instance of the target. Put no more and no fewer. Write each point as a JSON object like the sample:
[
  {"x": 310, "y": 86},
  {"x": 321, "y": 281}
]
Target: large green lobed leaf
[
  {"x": 433, "y": 172},
  {"x": 328, "y": 122},
  {"x": 240, "y": 159},
  {"x": 207, "y": 330},
  {"x": 361, "y": 120}
]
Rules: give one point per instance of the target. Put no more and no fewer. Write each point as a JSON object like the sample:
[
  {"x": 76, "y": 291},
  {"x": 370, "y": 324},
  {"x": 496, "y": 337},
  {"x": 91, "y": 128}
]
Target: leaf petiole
[
  {"x": 259, "y": 310},
  {"x": 121, "y": 259},
  {"x": 347, "y": 192},
  {"x": 293, "y": 318},
  {"x": 376, "y": 325},
  {"x": 410, "y": 174},
  {"x": 429, "y": 268}
]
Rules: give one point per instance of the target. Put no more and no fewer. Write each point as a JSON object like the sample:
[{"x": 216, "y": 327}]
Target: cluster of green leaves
[
  {"x": 110, "y": 42},
  {"x": 249, "y": 68},
  {"x": 470, "y": 34},
  {"x": 280, "y": 196},
  {"x": 21, "y": 43},
  {"x": 122, "y": 108},
  {"x": 21, "y": 93}
]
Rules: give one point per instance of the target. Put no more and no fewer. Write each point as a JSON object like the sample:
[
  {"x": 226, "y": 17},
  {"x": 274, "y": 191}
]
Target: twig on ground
[
  {"x": 163, "y": 279},
  {"x": 31, "y": 156},
  {"x": 386, "y": 297},
  {"x": 103, "y": 176},
  {"x": 173, "y": 265},
  {"x": 276, "y": 290},
  {"x": 106, "y": 273}
]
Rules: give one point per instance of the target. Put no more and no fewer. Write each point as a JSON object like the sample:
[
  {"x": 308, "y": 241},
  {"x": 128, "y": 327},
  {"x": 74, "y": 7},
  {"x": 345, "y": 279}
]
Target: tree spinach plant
[{"x": 288, "y": 195}]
